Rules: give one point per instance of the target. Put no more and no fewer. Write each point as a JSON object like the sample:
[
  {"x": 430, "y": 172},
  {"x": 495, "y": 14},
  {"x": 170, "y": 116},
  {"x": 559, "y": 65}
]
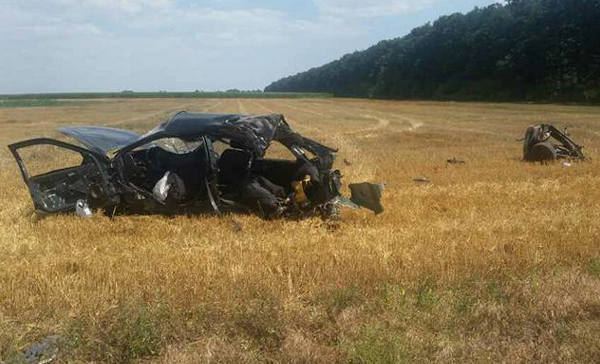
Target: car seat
[{"x": 234, "y": 165}]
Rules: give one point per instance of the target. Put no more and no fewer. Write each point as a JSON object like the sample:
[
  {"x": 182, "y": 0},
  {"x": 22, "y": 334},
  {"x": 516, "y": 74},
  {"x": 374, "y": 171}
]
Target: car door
[{"x": 59, "y": 174}]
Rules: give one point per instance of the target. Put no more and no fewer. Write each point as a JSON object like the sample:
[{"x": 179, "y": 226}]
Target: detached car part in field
[
  {"x": 543, "y": 142},
  {"x": 178, "y": 168}
]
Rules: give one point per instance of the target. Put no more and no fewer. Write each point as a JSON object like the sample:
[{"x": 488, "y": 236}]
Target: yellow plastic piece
[{"x": 300, "y": 197}]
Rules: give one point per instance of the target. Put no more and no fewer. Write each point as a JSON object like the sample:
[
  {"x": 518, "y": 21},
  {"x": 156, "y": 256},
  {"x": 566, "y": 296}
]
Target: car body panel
[
  {"x": 59, "y": 190},
  {"x": 101, "y": 140}
]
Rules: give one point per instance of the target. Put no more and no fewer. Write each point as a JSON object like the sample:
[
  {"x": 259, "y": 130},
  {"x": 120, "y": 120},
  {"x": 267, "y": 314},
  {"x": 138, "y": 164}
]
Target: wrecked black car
[
  {"x": 544, "y": 142},
  {"x": 192, "y": 163}
]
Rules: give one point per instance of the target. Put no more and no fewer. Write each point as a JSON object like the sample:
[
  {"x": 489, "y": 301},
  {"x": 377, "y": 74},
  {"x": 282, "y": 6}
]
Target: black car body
[{"x": 177, "y": 169}]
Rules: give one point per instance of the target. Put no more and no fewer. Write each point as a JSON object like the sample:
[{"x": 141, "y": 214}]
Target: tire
[{"x": 543, "y": 152}]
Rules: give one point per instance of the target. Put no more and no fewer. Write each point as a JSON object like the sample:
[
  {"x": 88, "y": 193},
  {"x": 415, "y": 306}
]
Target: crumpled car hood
[{"x": 100, "y": 139}]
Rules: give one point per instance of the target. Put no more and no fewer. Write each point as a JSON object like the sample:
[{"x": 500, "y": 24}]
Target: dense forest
[{"x": 523, "y": 50}]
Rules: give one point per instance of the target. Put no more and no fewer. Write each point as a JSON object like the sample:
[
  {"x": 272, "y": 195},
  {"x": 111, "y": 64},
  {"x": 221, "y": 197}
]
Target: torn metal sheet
[{"x": 368, "y": 195}]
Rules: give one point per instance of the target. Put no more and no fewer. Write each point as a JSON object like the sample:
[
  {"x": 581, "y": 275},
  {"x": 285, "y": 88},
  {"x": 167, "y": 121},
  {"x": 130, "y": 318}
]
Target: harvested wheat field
[{"x": 494, "y": 261}]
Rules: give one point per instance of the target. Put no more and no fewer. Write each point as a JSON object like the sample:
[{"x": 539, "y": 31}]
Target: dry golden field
[{"x": 495, "y": 261}]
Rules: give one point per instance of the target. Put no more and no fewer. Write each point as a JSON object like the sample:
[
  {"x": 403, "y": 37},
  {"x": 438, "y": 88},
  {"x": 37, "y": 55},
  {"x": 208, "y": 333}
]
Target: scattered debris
[
  {"x": 83, "y": 209},
  {"x": 235, "y": 225},
  {"x": 347, "y": 162},
  {"x": 567, "y": 164},
  {"x": 543, "y": 142},
  {"x": 176, "y": 169},
  {"x": 455, "y": 161},
  {"x": 44, "y": 351},
  {"x": 368, "y": 195},
  {"x": 422, "y": 180}
]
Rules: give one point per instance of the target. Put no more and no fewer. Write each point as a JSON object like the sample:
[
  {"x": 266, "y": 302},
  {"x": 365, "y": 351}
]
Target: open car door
[{"x": 59, "y": 175}]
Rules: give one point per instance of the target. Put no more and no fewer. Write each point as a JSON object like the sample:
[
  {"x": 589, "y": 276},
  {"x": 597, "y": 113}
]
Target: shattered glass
[{"x": 176, "y": 145}]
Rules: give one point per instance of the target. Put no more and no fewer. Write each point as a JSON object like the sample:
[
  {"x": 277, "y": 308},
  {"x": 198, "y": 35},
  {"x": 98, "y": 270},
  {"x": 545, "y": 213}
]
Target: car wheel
[{"x": 542, "y": 152}]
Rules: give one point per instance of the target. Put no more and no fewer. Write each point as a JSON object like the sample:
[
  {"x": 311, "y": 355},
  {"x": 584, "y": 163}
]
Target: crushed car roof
[
  {"x": 184, "y": 123},
  {"x": 252, "y": 132}
]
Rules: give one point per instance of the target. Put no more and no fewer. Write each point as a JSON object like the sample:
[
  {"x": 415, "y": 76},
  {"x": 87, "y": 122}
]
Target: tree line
[{"x": 539, "y": 50}]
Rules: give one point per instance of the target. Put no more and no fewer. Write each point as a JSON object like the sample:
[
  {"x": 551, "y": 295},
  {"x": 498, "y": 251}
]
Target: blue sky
[{"x": 183, "y": 45}]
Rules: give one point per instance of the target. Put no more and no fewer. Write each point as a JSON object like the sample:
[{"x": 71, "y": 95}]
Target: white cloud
[
  {"x": 131, "y": 6},
  {"x": 369, "y": 9},
  {"x": 174, "y": 44},
  {"x": 208, "y": 22},
  {"x": 27, "y": 26},
  {"x": 127, "y": 6}
]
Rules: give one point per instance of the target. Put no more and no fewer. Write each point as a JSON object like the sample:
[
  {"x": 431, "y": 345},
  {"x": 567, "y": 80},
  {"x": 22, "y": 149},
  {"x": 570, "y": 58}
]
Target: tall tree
[{"x": 523, "y": 50}]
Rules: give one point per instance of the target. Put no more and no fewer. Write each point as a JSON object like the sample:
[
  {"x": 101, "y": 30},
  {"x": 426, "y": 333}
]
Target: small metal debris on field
[
  {"x": 421, "y": 180},
  {"x": 368, "y": 195},
  {"x": 455, "y": 161}
]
